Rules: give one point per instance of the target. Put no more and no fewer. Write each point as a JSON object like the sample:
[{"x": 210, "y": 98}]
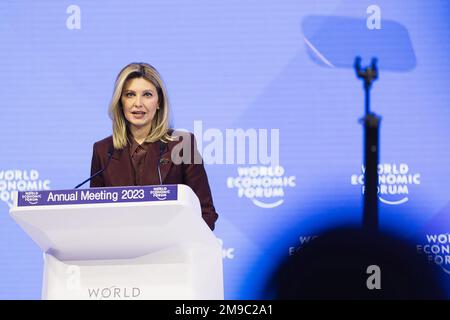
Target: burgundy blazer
[{"x": 120, "y": 172}]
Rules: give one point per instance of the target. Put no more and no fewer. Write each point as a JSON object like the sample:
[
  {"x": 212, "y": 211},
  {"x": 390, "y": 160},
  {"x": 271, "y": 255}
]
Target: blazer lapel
[
  {"x": 117, "y": 154},
  {"x": 165, "y": 163},
  {"x": 151, "y": 164}
]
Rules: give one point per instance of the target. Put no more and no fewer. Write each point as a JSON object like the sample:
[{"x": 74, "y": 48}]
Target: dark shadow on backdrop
[{"x": 334, "y": 266}]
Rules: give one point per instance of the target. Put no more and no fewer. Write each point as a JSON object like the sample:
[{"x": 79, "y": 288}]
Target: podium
[{"x": 144, "y": 242}]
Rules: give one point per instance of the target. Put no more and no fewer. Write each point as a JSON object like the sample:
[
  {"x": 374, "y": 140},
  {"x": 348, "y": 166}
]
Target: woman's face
[{"x": 140, "y": 101}]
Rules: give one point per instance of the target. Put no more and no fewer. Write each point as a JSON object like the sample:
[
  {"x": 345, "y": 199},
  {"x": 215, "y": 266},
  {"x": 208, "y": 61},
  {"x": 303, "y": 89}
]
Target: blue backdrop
[{"x": 237, "y": 64}]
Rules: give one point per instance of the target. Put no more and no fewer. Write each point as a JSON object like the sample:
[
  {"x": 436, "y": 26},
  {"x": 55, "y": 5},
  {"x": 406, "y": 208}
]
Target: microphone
[
  {"x": 162, "y": 147},
  {"x": 110, "y": 152}
]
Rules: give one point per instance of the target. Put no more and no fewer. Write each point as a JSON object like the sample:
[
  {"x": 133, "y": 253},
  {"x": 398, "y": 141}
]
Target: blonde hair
[{"x": 160, "y": 122}]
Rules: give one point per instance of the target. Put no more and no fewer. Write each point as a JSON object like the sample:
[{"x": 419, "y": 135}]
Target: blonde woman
[{"x": 139, "y": 152}]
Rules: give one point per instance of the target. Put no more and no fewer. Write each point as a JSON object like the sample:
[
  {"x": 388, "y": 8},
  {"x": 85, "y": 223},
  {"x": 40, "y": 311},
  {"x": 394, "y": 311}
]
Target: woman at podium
[{"x": 142, "y": 149}]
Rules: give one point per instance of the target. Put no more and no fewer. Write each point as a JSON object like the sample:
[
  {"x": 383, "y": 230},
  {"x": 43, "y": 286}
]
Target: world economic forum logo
[
  {"x": 32, "y": 197},
  {"x": 436, "y": 248},
  {"x": 160, "y": 193},
  {"x": 394, "y": 182},
  {"x": 21, "y": 180},
  {"x": 265, "y": 186}
]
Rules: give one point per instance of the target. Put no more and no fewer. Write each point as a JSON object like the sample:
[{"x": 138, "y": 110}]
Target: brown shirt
[{"x": 138, "y": 153}]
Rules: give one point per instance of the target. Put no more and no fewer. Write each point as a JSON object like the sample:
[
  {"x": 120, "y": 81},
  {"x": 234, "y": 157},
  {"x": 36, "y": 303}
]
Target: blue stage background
[{"x": 232, "y": 64}]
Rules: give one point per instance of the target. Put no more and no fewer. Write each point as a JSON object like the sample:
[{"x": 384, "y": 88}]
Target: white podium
[{"x": 146, "y": 242}]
